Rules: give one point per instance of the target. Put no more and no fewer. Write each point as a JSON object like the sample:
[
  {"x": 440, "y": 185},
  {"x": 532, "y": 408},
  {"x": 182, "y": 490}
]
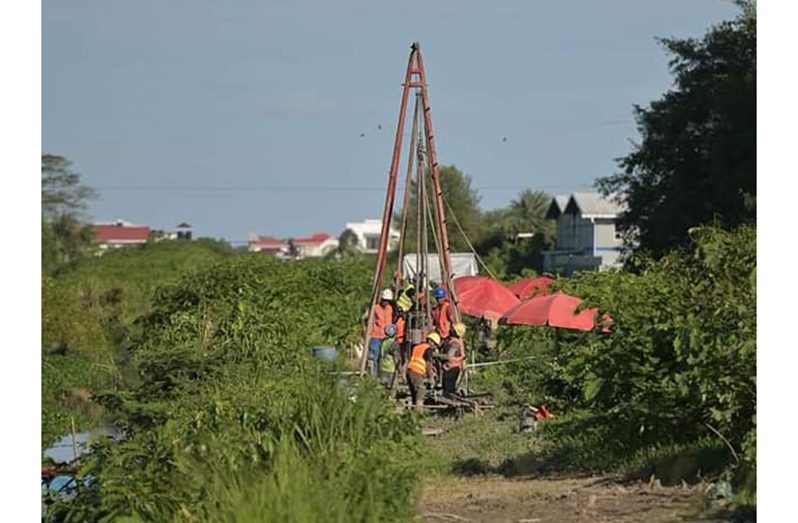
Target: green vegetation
[
  {"x": 675, "y": 376},
  {"x": 696, "y": 163},
  {"x": 493, "y": 234},
  {"x": 88, "y": 319},
  {"x": 228, "y": 396},
  {"x": 202, "y": 357}
]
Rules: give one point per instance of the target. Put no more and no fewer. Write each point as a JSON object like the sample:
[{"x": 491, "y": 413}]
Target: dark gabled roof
[
  {"x": 593, "y": 205},
  {"x": 557, "y": 206}
]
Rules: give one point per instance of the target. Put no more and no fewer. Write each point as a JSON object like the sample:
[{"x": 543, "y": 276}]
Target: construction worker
[
  {"x": 487, "y": 336},
  {"x": 401, "y": 331},
  {"x": 529, "y": 419},
  {"x": 389, "y": 354},
  {"x": 404, "y": 300},
  {"x": 442, "y": 313},
  {"x": 452, "y": 356},
  {"x": 531, "y": 415},
  {"x": 383, "y": 316},
  {"x": 419, "y": 368}
]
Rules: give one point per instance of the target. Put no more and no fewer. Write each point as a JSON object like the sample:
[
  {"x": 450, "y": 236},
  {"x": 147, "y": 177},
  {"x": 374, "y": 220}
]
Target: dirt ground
[{"x": 593, "y": 499}]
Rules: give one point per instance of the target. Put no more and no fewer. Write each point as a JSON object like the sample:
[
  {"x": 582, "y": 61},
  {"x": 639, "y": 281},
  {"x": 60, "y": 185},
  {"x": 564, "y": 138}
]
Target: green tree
[
  {"x": 62, "y": 191},
  {"x": 463, "y": 208},
  {"x": 347, "y": 246},
  {"x": 514, "y": 237},
  {"x": 64, "y": 200},
  {"x": 527, "y": 215},
  {"x": 696, "y": 163}
]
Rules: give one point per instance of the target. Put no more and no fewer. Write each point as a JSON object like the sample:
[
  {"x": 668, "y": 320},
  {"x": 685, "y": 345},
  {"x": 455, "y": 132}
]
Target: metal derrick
[{"x": 430, "y": 212}]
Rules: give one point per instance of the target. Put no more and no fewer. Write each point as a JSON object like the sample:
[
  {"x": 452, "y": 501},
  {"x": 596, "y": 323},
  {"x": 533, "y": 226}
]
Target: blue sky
[{"x": 227, "y": 101}]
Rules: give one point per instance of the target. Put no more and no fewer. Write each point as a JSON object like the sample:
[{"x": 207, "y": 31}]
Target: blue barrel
[{"x": 325, "y": 353}]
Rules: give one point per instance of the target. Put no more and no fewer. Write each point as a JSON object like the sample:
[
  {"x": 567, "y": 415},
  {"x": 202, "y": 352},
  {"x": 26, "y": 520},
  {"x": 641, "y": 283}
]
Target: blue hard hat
[
  {"x": 440, "y": 292},
  {"x": 390, "y": 329}
]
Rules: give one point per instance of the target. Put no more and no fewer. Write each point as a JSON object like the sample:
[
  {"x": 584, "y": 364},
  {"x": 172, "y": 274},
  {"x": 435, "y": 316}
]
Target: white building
[
  {"x": 314, "y": 246},
  {"x": 463, "y": 264},
  {"x": 368, "y": 235},
  {"x": 586, "y": 236}
]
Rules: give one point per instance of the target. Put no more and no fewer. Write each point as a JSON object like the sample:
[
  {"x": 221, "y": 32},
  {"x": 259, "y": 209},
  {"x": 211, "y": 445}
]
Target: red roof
[
  {"x": 268, "y": 241},
  {"x": 319, "y": 237},
  {"x": 121, "y": 233}
]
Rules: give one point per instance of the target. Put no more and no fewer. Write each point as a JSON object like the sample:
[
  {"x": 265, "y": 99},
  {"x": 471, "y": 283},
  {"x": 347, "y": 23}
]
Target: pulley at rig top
[{"x": 429, "y": 222}]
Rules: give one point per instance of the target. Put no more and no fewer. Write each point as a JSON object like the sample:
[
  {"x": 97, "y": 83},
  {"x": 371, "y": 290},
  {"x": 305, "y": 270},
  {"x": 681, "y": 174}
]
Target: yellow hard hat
[
  {"x": 434, "y": 337},
  {"x": 459, "y": 328}
]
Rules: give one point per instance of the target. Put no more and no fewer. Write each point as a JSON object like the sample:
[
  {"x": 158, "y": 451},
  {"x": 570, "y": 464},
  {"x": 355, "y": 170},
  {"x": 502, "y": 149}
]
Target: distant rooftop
[
  {"x": 593, "y": 205},
  {"x": 120, "y": 232},
  {"x": 557, "y": 206}
]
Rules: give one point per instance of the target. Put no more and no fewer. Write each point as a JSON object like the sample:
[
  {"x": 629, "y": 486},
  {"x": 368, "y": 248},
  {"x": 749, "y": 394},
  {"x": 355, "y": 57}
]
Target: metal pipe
[
  {"x": 406, "y": 195},
  {"x": 387, "y": 210},
  {"x": 433, "y": 158}
]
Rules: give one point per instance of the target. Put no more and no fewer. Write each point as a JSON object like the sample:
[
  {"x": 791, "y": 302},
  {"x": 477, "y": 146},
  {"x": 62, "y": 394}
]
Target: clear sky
[{"x": 240, "y": 115}]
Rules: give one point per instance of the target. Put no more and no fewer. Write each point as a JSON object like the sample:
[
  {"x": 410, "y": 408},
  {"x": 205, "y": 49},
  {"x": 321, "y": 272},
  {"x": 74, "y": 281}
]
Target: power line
[{"x": 283, "y": 188}]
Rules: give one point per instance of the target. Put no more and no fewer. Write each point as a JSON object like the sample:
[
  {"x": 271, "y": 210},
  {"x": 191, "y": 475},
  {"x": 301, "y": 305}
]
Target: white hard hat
[{"x": 386, "y": 294}]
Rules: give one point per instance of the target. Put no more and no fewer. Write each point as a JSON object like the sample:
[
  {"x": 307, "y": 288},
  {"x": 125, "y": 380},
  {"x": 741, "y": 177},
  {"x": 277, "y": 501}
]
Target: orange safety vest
[
  {"x": 383, "y": 315},
  {"x": 457, "y": 361},
  {"x": 400, "y": 329},
  {"x": 417, "y": 363},
  {"x": 442, "y": 315}
]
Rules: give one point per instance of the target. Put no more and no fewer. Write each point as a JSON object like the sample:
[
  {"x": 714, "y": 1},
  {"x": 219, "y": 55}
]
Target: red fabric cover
[
  {"x": 556, "y": 310},
  {"x": 528, "y": 287},
  {"x": 483, "y": 297}
]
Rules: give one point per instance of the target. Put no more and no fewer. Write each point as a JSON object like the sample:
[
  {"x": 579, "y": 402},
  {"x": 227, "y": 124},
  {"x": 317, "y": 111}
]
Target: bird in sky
[
  {"x": 379, "y": 127},
  {"x": 504, "y": 139}
]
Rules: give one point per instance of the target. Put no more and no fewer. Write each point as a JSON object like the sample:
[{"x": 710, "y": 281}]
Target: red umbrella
[
  {"x": 464, "y": 283},
  {"x": 556, "y": 310},
  {"x": 528, "y": 287},
  {"x": 483, "y": 297}
]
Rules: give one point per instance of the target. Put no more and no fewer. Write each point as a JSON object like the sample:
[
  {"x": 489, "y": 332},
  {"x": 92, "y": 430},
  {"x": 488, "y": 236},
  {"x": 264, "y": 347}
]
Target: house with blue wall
[{"x": 586, "y": 234}]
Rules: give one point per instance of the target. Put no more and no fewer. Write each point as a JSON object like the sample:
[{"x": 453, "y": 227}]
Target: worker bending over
[
  {"x": 383, "y": 316},
  {"x": 443, "y": 313},
  {"x": 452, "y": 355},
  {"x": 419, "y": 368}
]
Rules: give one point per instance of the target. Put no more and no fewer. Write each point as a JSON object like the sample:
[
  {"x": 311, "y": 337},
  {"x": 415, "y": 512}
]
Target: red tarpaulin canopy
[
  {"x": 528, "y": 287},
  {"x": 556, "y": 310},
  {"x": 464, "y": 283},
  {"x": 480, "y": 296}
]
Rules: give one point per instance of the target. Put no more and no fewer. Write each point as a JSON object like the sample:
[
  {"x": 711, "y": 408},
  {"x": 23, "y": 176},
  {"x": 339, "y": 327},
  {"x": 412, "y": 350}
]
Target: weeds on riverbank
[{"x": 232, "y": 419}]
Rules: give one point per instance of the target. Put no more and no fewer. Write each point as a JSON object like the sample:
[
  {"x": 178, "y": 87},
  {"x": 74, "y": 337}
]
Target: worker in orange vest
[
  {"x": 442, "y": 313},
  {"x": 420, "y": 367},
  {"x": 383, "y": 316},
  {"x": 401, "y": 327},
  {"x": 452, "y": 355}
]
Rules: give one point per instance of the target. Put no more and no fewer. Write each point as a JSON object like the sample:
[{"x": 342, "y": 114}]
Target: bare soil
[{"x": 565, "y": 499}]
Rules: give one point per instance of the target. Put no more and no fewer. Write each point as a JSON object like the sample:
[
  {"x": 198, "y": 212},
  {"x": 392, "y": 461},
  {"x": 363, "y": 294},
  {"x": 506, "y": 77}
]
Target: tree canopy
[
  {"x": 696, "y": 163},
  {"x": 64, "y": 201},
  {"x": 463, "y": 200},
  {"x": 62, "y": 191}
]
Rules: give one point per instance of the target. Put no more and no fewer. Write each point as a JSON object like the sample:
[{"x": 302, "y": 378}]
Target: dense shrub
[
  {"x": 680, "y": 361},
  {"x": 229, "y": 396},
  {"x": 88, "y": 313}
]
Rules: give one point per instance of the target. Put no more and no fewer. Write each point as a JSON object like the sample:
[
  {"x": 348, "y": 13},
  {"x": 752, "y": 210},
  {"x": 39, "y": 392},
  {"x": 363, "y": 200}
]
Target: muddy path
[{"x": 563, "y": 499}]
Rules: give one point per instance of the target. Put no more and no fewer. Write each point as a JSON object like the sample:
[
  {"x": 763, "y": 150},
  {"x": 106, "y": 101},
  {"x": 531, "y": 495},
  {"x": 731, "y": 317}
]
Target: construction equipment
[
  {"x": 422, "y": 174},
  {"x": 411, "y": 283}
]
